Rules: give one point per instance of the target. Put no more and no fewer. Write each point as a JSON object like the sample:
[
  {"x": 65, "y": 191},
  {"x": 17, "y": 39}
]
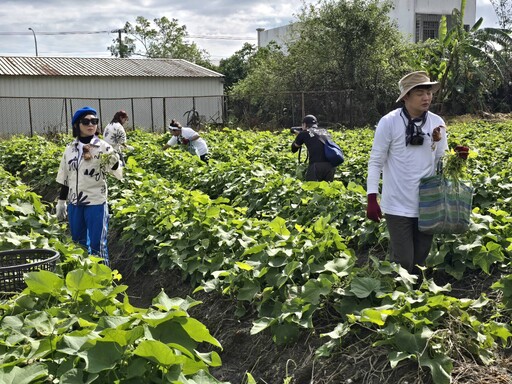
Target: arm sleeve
[
  {"x": 121, "y": 134},
  {"x": 299, "y": 140},
  {"x": 62, "y": 173},
  {"x": 173, "y": 141},
  {"x": 442, "y": 147},
  {"x": 378, "y": 157},
  {"x": 63, "y": 194},
  {"x": 115, "y": 169}
]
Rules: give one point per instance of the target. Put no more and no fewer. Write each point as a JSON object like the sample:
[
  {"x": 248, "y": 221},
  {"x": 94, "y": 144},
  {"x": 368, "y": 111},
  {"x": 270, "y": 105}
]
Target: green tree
[
  {"x": 337, "y": 45},
  {"x": 503, "y": 9},
  {"x": 236, "y": 67},
  {"x": 165, "y": 39},
  {"x": 347, "y": 45}
]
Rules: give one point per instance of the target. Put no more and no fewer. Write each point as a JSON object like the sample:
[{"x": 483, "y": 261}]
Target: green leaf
[
  {"x": 248, "y": 291},
  {"x": 71, "y": 345},
  {"x": 338, "y": 332},
  {"x": 102, "y": 356},
  {"x": 261, "y": 324},
  {"x": 121, "y": 337},
  {"x": 255, "y": 249},
  {"x": 198, "y": 331},
  {"x": 313, "y": 290},
  {"x": 79, "y": 280},
  {"x": 164, "y": 303},
  {"x": 340, "y": 266},
  {"x": 158, "y": 352},
  {"x": 375, "y": 316},
  {"x": 42, "y": 282},
  {"x": 440, "y": 366},
  {"x": 396, "y": 357},
  {"x": 409, "y": 342},
  {"x": 364, "y": 286},
  {"x": 24, "y": 375},
  {"x": 278, "y": 226}
]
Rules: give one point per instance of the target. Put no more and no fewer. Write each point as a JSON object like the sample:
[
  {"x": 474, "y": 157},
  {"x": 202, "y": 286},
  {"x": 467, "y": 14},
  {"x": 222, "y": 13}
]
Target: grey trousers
[
  {"x": 409, "y": 246},
  {"x": 320, "y": 172}
]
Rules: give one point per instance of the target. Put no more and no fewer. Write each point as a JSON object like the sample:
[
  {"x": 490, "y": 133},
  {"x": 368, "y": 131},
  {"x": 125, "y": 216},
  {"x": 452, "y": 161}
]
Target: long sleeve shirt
[
  {"x": 403, "y": 166},
  {"x": 84, "y": 168}
]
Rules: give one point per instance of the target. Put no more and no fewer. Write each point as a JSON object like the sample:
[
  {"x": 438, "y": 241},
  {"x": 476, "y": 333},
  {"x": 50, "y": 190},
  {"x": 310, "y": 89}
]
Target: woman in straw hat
[{"x": 408, "y": 143}]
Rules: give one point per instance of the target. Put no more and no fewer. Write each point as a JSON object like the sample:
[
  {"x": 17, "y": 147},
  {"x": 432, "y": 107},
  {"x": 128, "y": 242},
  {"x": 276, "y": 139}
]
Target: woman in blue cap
[{"x": 82, "y": 175}]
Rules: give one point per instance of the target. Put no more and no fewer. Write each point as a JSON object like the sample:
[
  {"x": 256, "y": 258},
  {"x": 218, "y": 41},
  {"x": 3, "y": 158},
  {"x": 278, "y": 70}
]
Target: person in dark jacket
[{"x": 319, "y": 168}]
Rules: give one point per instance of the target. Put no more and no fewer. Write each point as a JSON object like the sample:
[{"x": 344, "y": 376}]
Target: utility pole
[
  {"x": 122, "y": 50},
  {"x": 35, "y": 40}
]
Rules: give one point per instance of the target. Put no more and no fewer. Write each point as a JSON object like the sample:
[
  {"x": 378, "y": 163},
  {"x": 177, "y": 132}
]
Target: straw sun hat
[{"x": 415, "y": 79}]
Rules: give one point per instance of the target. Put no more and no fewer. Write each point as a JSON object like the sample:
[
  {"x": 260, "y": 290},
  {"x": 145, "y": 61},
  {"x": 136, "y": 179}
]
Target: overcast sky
[{"x": 220, "y": 27}]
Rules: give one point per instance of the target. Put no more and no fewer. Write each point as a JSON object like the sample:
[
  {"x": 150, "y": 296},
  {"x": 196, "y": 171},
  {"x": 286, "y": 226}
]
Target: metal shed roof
[{"x": 98, "y": 67}]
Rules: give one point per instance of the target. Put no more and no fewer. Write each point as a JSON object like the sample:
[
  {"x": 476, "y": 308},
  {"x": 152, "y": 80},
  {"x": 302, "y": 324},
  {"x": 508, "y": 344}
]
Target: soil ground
[{"x": 356, "y": 362}]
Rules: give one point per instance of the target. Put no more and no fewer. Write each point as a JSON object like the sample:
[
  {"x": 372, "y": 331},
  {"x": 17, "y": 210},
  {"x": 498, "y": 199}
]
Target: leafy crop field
[{"x": 293, "y": 269}]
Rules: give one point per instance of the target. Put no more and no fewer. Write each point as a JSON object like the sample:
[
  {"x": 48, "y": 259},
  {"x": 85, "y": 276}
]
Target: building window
[{"x": 427, "y": 26}]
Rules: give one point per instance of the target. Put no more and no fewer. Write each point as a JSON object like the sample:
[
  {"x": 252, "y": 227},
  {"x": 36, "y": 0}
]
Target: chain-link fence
[
  {"x": 34, "y": 115},
  {"x": 269, "y": 111},
  {"x": 266, "y": 111}
]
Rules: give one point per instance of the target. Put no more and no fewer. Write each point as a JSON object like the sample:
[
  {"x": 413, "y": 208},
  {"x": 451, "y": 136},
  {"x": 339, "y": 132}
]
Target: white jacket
[{"x": 86, "y": 179}]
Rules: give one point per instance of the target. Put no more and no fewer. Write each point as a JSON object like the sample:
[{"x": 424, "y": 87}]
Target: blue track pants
[{"x": 89, "y": 225}]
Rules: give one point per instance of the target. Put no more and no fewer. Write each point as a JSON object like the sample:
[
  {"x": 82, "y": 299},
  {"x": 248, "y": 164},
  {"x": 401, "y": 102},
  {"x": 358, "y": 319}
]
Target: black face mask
[{"x": 413, "y": 133}]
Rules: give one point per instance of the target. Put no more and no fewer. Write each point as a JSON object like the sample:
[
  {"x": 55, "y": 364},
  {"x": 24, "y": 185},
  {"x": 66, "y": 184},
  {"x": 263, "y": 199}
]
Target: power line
[
  {"x": 57, "y": 33},
  {"x": 46, "y": 33}
]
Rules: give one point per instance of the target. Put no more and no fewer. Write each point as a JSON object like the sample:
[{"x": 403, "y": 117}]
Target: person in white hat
[
  {"x": 408, "y": 143},
  {"x": 188, "y": 137}
]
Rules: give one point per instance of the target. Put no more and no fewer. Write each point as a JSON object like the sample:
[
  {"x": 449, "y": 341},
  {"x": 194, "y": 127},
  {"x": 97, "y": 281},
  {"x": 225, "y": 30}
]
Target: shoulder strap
[
  {"x": 322, "y": 138},
  {"x": 298, "y": 156}
]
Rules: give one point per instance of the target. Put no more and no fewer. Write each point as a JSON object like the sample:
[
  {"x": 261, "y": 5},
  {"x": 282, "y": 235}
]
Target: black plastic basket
[{"x": 14, "y": 263}]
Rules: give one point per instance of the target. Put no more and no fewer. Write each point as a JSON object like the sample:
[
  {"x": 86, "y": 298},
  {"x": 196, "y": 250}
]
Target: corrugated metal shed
[
  {"x": 101, "y": 67},
  {"x": 42, "y": 92}
]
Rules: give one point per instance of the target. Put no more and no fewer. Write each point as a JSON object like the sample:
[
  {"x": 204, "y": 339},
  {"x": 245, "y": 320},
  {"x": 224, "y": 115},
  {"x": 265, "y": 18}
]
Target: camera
[
  {"x": 417, "y": 140},
  {"x": 295, "y": 129}
]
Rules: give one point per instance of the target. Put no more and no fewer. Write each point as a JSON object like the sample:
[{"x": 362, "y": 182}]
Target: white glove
[
  {"x": 129, "y": 147},
  {"x": 61, "y": 210}
]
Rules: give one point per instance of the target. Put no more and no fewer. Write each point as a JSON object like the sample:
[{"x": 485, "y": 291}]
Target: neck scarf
[{"x": 411, "y": 127}]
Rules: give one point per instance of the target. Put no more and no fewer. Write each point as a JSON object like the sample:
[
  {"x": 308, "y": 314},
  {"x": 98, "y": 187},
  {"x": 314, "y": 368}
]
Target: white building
[
  {"x": 418, "y": 20},
  {"x": 39, "y": 94}
]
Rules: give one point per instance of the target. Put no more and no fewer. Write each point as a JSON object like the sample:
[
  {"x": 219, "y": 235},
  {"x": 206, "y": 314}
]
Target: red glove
[
  {"x": 373, "y": 211},
  {"x": 462, "y": 151},
  {"x": 185, "y": 141}
]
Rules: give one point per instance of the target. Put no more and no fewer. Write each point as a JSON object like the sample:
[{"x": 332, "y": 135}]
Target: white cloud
[{"x": 238, "y": 18}]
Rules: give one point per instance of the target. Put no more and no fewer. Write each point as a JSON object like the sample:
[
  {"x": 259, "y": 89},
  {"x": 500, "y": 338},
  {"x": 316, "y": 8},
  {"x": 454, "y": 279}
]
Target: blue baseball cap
[{"x": 83, "y": 112}]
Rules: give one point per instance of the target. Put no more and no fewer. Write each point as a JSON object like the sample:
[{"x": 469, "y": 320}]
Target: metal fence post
[
  {"x": 165, "y": 113},
  {"x": 66, "y": 114},
  {"x": 30, "y": 117},
  {"x": 152, "y": 118},
  {"x": 133, "y": 113},
  {"x": 101, "y": 114}
]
